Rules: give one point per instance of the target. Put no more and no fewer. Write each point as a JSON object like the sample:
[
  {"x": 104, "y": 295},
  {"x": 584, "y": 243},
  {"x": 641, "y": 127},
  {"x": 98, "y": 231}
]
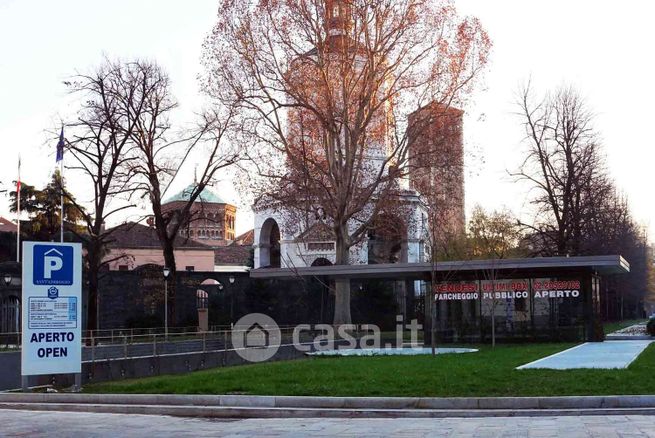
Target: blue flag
[{"x": 60, "y": 146}]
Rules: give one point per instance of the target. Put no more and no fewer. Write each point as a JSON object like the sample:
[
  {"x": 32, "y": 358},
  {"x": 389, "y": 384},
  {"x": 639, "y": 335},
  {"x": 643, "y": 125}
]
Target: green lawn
[
  {"x": 486, "y": 373},
  {"x": 610, "y": 327}
]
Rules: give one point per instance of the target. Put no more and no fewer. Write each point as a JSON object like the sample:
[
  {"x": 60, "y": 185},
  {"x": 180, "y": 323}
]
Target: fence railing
[
  {"x": 147, "y": 331},
  {"x": 9, "y": 340},
  {"x": 160, "y": 344},
  {"x": 123, "y": 343}
]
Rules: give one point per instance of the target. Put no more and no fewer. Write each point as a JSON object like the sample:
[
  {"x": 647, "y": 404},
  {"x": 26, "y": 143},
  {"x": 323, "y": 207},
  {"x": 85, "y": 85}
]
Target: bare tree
[
  {"x": 564, "y": 166},
  {"x": 612, "y": 230},
  {"x": 99, "y": 140},
  {"x": 324, "y": 88},
  {"x": 159, "y": 154},
  {"x": 579, "y": 210}
]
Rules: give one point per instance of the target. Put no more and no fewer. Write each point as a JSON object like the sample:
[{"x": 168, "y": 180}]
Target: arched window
[
  {"x": 387, "y": 240},
  {"x": 269, "y": 244},
  {"x": 202, "y": 299},
  {"x": 321, "y": 261}
]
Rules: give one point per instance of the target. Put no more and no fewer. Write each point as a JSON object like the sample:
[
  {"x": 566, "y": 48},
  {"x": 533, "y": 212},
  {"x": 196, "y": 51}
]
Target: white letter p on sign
[{"x": 51, "y": 264}]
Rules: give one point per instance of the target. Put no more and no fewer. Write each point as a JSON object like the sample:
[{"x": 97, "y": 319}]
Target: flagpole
[
  {"x": 61, "y": 176},
  {"x": 18, "y": 214},
  {"x": 60, "y": 160}
]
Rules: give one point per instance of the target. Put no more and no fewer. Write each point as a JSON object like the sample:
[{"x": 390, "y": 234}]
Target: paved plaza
[{"x": 75, "y": 424}]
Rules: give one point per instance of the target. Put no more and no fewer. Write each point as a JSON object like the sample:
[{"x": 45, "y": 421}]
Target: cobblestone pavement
[{"x": 75, "y": 424}]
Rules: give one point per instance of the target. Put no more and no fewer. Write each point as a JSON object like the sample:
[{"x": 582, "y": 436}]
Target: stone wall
[
  {"x": 130, "y": 368},
  {"x": 131, "y": 299}
]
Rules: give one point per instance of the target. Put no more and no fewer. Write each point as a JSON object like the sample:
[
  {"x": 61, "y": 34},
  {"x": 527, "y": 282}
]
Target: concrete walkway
[
  {"x": 604, "y": 355},
  {"x": 74, "y": 424}
]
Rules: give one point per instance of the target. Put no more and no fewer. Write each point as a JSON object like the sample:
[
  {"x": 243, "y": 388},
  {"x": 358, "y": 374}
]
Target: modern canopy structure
[{"x": 556, "y": 297}]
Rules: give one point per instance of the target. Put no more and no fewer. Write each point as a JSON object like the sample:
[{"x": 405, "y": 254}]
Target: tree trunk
[
  {"x": 92, "y": 315},
  {"x": 429, "y": 312},
  {"x": 342, "y": 302},
  {"x": 493, "y": 323},
  {"x": 169, "y": 259},
  {"x": 342, "y": 285},
  {"x": 433, "y": 327},
  {"x": 93, "y": 258}
]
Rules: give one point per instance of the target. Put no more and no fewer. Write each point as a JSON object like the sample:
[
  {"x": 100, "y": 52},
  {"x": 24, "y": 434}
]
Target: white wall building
[{"x": 280, "y": 244}]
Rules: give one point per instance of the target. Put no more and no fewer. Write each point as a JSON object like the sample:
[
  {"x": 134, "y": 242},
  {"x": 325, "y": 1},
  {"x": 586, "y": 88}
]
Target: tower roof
[
  {"x": 206, "y": 196},
  {"x": 135, "y": 235}
]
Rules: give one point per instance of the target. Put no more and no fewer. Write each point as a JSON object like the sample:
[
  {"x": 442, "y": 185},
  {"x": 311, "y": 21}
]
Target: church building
[{"x": 281, "y": 240}]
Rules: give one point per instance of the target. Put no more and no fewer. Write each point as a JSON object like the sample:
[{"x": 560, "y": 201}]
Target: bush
[{"x": 650, "y": 327}]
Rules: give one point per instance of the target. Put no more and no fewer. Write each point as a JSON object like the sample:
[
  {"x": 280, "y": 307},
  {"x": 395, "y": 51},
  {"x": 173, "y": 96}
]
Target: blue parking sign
[
  {"x": 53, "y": 265},
  {"x": 51, "y": 317}
]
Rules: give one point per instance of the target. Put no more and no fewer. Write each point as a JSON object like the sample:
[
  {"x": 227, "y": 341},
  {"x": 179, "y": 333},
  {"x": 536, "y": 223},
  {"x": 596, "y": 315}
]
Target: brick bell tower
[
  {"x": 338, "y": 16},
  {"x": 338, "y": 23}
]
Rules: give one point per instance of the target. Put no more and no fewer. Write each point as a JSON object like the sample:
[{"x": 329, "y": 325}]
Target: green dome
[{"x": 206, "y": 196}]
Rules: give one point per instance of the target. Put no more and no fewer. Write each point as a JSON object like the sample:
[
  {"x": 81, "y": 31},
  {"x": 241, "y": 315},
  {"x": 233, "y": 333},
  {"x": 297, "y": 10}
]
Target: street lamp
[
  {"x": 231, "y": 280},
  {"x": 7, "y": 278},
  {"x": 167, "y": 272}
]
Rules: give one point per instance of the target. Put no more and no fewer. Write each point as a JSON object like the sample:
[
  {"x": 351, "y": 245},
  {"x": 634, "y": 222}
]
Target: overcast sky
[{"x": 603, "y": 48}]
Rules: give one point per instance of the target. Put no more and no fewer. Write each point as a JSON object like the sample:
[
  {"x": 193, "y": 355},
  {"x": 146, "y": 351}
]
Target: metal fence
[
  {"x": 126, "y": 343},
  {"x": 12, "y": 340}
]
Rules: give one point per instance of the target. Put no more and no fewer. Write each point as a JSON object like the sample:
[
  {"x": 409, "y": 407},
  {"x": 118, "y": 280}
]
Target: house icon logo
[
  {"x": 256, "y": 337},
  {"x": 52, "y": 265}
]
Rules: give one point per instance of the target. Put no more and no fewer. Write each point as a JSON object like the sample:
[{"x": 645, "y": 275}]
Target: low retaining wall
[
  {"x": 309, "y": 402},
  {"x": 133, "y": 367},
  {"x": 221, "y": 406},
  {"x": 9, "y": 370}
]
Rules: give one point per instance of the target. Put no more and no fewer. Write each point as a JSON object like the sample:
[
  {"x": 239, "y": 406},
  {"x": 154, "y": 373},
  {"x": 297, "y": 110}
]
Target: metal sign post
[{"x": 52, "y": 309}]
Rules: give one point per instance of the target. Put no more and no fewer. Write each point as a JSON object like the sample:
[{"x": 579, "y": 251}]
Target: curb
[
  {"x": 255, "y": 412},
  {"x": 239, "y": 406},
  {"x": 629, "y": 338}
]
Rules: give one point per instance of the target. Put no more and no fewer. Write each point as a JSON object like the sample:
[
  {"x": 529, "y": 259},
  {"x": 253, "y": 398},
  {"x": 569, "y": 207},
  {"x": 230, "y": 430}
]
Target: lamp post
[
  {"x": 220, "y": 288},
  {"x": 167, "y": 272},
  {"x": 7, "y": 279},
  {"x": 231, "y": 280}
]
